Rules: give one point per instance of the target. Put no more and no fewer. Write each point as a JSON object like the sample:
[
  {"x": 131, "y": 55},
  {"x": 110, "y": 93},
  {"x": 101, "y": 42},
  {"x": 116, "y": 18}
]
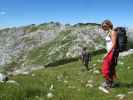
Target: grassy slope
[
  {"x": 36, "y": 87},
  {"x": 37, "y": 55},
  {"x": 58, "y": 48}
]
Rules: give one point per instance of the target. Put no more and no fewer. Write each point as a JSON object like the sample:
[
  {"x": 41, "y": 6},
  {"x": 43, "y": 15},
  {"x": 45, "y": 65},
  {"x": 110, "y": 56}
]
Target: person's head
[{"x": 107, "y": 25}]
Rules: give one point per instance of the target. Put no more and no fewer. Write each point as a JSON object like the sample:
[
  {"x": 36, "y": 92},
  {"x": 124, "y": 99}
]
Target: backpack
[{"x": 122, "y": 38}]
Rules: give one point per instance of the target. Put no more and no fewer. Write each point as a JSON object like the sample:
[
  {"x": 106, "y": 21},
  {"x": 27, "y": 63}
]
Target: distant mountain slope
[
  {"x": 15, "y": 42},
  {"x": 39, "y": 45},
  {"x": 67, "y": 44}
]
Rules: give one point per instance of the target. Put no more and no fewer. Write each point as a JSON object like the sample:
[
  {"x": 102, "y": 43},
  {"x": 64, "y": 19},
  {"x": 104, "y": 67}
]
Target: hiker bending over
[{"x": 85, "y": 57}]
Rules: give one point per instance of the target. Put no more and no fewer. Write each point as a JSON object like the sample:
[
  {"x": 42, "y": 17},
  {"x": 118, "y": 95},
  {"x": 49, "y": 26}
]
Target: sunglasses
[{"x": 105, "y": 25}]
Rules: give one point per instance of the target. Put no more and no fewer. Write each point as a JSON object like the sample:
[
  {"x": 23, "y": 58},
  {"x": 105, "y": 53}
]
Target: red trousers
[{"x": 109, "y": 63}]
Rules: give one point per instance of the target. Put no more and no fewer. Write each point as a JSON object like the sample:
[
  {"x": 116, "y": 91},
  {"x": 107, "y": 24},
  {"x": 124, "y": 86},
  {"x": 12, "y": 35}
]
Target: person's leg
[
  {"x": 111, "y": 75},
  {"x": 86, "y": 65},
  {"x": 114, "y": 82},
  {"x": 113, "y": 66},
  {"x": 107, "y": 70}
]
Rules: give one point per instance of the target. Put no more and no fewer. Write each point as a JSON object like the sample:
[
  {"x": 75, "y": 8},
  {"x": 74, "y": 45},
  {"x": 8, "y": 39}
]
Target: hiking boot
[
  {"x": 107, "y": 84},
  {"x": 103, "y": 89}
]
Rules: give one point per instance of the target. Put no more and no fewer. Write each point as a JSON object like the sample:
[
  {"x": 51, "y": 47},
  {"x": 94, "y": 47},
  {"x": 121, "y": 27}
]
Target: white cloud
[{"x": 2, "y": 13}]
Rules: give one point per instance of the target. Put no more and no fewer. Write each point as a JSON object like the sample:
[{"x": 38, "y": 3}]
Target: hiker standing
[
  {"x": 85, "y": 57},
  {"x": 110, "y": 59}
]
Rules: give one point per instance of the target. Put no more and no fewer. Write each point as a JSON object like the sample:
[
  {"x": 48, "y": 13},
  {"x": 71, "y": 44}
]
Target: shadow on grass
[
  {"x": 126, "y": 85},
  {"x": 122, "y": 85},
  {"x": 62, "y": 62}
]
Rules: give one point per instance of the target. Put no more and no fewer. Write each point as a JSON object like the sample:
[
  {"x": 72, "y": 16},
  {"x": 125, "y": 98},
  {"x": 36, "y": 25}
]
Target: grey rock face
[
  {"x": 16, "y": 41},
  {"x": 52, "y": 41}
]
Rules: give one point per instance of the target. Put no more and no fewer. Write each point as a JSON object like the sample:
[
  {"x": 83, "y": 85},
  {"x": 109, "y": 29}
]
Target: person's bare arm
[{"x": 114, "y": 39}]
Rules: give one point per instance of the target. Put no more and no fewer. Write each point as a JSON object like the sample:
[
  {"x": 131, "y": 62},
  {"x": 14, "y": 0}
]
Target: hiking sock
[{"x": 109, "y": 83}]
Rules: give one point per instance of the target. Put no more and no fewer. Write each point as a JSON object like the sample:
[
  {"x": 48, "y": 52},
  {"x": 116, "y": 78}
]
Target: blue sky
[{"x": 24, "y": 12}]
